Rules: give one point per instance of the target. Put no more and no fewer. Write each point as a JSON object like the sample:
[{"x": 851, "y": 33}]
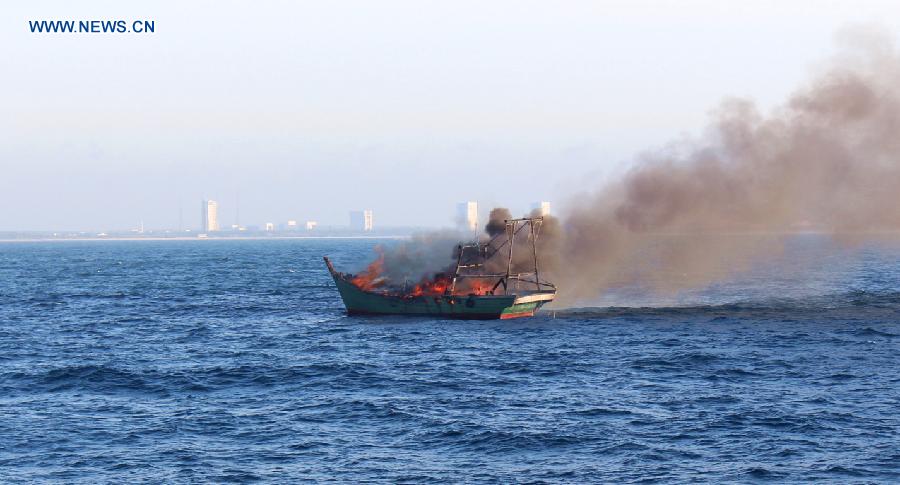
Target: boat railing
[{"x": 488, "y": 250}]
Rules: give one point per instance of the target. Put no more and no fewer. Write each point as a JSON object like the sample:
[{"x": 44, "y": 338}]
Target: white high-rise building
[
  {"x": 467, "y": 215},
  {"x": 367, "y": 220},
  {"x": 209, "y": 216},
  {"x": 543, "y": 208}
]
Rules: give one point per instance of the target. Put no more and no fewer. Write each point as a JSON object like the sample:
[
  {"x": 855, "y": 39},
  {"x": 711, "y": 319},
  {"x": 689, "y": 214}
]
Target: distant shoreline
[{"x": 194, "y": 238}]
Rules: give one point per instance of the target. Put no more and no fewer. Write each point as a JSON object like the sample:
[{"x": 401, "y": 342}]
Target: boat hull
[{"x": 472, "y": 307}]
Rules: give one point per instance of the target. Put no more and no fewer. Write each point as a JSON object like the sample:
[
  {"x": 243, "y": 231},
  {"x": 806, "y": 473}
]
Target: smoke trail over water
[{"x": 827, "y": 160}]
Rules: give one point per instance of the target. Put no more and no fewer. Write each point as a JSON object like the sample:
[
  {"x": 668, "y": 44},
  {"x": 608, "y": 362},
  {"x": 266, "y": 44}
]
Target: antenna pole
[
  {"x": 459, "y": 248},
  {"x": 537, "y": 278},
  {"x": 511, "y": 237}
]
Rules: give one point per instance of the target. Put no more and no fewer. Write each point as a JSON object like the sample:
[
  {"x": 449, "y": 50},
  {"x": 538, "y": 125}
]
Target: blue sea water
[{"x": 232, "y": 361}]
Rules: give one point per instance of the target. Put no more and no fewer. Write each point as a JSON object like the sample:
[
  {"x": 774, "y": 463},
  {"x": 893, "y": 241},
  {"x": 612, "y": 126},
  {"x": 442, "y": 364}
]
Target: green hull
[{"x": 474, "y": 307}]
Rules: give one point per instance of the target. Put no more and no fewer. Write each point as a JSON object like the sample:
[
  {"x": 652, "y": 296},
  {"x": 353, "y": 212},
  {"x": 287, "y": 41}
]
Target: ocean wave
[
  {"x": 84, "y": 378},
  {"x": 784, "y": 308},
  {"x": 218, "y": 365},
  {"x": 677, "y": 360}
]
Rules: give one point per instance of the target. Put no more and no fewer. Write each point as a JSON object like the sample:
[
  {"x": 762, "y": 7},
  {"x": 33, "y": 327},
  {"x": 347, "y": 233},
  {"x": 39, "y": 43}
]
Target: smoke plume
[{"x": 827, "y": 160}]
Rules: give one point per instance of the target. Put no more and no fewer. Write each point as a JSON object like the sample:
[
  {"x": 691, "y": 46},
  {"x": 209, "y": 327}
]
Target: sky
[{"x": 307, "y": 110}]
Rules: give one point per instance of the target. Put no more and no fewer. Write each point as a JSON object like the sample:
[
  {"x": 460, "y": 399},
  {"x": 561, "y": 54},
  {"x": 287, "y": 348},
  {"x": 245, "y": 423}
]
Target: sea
[{"x": 223, "y": 361}]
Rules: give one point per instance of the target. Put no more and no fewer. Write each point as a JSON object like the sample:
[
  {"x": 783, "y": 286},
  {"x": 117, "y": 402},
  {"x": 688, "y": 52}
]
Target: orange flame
[
  {"x": 440, "y": 285},
  {"x": 372, "y": 279},
  {"x": 369, "y": 278},
  {"x": 479, "y": 288},
  {"x": 437, "y": 286}
]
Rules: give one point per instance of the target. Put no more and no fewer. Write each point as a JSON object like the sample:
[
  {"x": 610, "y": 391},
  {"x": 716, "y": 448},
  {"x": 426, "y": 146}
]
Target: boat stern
[{"x": 526, "y": 305}]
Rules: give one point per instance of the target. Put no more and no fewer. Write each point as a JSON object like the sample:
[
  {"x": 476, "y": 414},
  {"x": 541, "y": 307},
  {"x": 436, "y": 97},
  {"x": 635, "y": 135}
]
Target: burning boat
[{"x": 475, "y": 287}]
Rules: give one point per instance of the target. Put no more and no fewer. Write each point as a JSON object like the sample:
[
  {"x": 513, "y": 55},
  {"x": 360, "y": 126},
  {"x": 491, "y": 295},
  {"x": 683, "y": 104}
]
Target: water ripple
[{"x": 224, "y": 361}]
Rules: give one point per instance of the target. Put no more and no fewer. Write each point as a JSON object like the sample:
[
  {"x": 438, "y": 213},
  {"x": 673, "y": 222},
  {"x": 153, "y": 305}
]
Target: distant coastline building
[
  {"x": 270, "y": 226},
  {"x": 310, "y": 225},
  {"x": 368, "y": 223},
  {"x": 361, "y": 220},
  {"x": 543, "y": 208},
  {"x": 467, "y": 215},
  {"x": 209, "y": 217}
]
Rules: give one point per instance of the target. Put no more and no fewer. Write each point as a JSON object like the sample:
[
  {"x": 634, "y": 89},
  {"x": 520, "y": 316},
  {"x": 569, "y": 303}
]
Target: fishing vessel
[{"x": 472, "y": 289}]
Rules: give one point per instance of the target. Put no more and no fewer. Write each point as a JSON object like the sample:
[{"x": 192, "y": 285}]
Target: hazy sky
[{"x": 305, "y": 110}]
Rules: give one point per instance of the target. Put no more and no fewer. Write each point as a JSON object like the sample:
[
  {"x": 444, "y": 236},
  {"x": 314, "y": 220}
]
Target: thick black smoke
[{"x": 827, "y": 160}]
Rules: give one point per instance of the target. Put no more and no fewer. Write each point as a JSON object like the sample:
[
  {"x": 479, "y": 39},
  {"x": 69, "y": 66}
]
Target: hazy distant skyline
[{"x": 306, "y": 111}]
